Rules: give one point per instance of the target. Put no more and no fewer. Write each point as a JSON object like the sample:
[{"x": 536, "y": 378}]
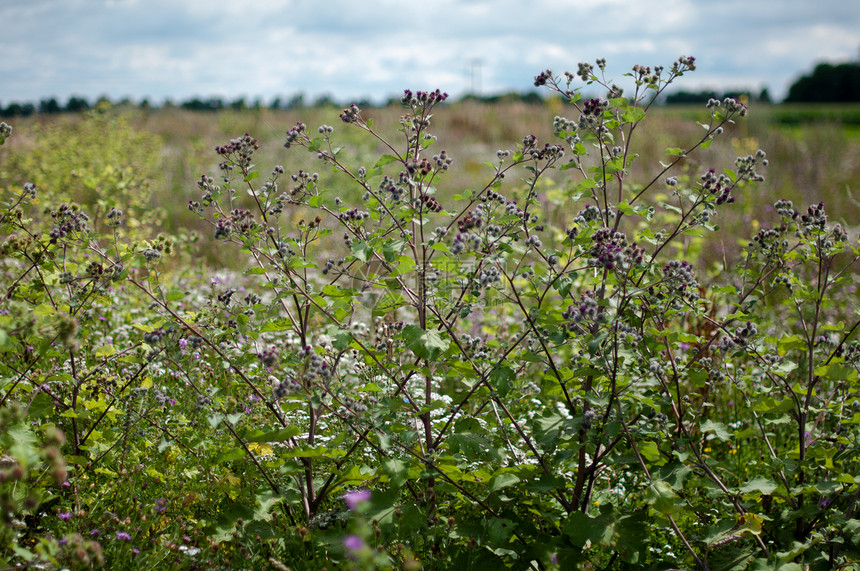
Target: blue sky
[{"x": 375, "y": 49}]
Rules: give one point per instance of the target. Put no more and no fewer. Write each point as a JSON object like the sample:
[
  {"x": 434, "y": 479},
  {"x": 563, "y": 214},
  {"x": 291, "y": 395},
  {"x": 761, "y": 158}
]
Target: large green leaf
[{"x": 425, "y": 344}]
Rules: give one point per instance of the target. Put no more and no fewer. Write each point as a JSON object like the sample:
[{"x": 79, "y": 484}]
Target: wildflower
[
  {"x": 355, "y": 498},
  {"x": 353, "y": 543},
  {"x": 123, "y": 536},
  {"x": 542, "y": 78},
  {"x": 65, "y": 516}
]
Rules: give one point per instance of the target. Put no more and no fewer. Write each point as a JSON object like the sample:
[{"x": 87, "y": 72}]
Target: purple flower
[
  {"x": 135, "y": 550},
  {"x": 123, "y": 535},
  {"x": 353, "y": 542},
  {"x": 95, "y": 532},
  {"x": 353, "y": 499},
  {"x": 65, "y": 516}
]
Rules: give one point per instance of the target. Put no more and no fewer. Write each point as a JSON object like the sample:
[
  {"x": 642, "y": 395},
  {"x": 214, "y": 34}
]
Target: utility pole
[{"x": 476, "y": 76}]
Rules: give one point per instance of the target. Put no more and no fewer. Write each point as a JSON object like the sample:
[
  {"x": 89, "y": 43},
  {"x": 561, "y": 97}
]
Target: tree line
[{"x": 827, "y": 83}]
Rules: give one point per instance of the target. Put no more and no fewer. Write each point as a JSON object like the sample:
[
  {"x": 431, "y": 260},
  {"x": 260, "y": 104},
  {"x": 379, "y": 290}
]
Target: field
[
  {"x": 814, "y": 150},
  {"x": 420, "y": 338}
]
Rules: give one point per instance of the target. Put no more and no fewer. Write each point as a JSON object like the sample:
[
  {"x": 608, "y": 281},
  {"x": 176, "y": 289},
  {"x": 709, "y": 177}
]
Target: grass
[{"x": 813, "y": 151}]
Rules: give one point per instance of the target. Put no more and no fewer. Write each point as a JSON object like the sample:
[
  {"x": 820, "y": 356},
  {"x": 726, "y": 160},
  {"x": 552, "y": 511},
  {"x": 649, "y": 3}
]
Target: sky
[{"x": 374, "y": 49}]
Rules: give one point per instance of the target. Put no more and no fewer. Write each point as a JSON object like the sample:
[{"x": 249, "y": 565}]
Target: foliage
[
  {"x": 529, "y": 374},
  {"x": 827, "y": 83}
]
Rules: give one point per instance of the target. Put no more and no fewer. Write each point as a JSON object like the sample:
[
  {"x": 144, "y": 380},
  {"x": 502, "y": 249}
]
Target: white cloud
[{"x": 179, "y": 48}]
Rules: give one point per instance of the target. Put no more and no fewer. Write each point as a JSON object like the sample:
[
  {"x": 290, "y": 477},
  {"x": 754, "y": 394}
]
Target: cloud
[{"x": 180, "y": 48}]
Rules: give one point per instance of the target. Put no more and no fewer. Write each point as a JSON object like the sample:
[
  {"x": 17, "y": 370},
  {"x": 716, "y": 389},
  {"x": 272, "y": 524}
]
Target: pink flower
[
  {"x": 353, "y": 543},
  {"x": 353, "y": 499}
]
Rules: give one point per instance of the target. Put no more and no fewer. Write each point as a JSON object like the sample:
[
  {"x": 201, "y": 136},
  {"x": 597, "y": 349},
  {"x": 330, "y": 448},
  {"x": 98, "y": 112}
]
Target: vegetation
[
  {"x": 827, "y": 83},
  {"x": 377, "y": 351}
]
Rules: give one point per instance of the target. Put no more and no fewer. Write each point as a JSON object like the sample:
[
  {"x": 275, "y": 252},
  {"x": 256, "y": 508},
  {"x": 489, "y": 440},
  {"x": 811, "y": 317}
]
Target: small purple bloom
[
  {"x": 353, "y": 499},
  {"x": 353, "y": 542},
  {"x": 65, "y": 516},
  {"x": 123, "y": 535},
  {"x": 135, "y": 550},
  {"x": 183, "y": 343},
  {"x": 95, "y": 532}
]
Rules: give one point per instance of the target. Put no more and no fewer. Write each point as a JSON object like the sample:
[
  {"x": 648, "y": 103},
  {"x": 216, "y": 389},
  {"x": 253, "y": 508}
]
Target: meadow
[
  {"x": 814, "y": 147},
  {"x": 588, "y": 334}
]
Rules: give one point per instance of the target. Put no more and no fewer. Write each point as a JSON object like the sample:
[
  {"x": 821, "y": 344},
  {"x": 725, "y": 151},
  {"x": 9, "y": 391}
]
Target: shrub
[{"x": 525, "y": 375}]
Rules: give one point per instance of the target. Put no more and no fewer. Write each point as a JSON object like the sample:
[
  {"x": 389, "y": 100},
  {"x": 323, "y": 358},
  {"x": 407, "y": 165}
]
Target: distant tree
[
  {"x": 103, "y": 103},
  {"x": 324, "y": 100},
  {"x": 276, "y": 103},
  {"x": 297, "y": 101},
  {"x": 531, "y": 98},
  {"x": 238, "y": 104},
  {"x": 680, "y": 97},
  {"x": 827, "y": 84},
  {"x": 49, "y": 106},
  {"x": 144, "y": 103},
  {"x": 77, "y": 104},
  {"x": 764, "y": 96},
  {"x": 11, "y": 110},
  {"x": 197, "y": 104}
]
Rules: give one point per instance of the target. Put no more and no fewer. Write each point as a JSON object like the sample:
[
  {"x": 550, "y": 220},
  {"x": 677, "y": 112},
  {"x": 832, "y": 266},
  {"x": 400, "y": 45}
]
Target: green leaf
[
  {"x": 231, "y": 455},
  {"x": 503, "y": 480},
  {"x": 500, "y": 531},
  {"x": 362, "y": 251},
  {"x": 790, "y": 342},
  {"x": 661, "y": 496},
  {"x": 503, "y": 379},
  {"x": 105, "y": 351},
  {"x": 396, "y": 470},
  {"x": 762, "y": 485},
  {"x": 649, "y": 451},
  {"x": 251, "y": 176},
  {"x": 175, "y": 294},
  {"x": 44, "y": 310},
  {"x": 41, "y": 406},
  {"x": 580, "y": 529},
  {"x": 836, "y": 372},
  {"x": 273, "y": 436},
  {"x": 633, "y": 115},
  {"x": 425, "y": 344},
  {"x": 718, "y": 429},
  {"x": 386, "y": 160},
  {"x": 280, "y": 324},
  {"x": 632, "y": 537}
]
